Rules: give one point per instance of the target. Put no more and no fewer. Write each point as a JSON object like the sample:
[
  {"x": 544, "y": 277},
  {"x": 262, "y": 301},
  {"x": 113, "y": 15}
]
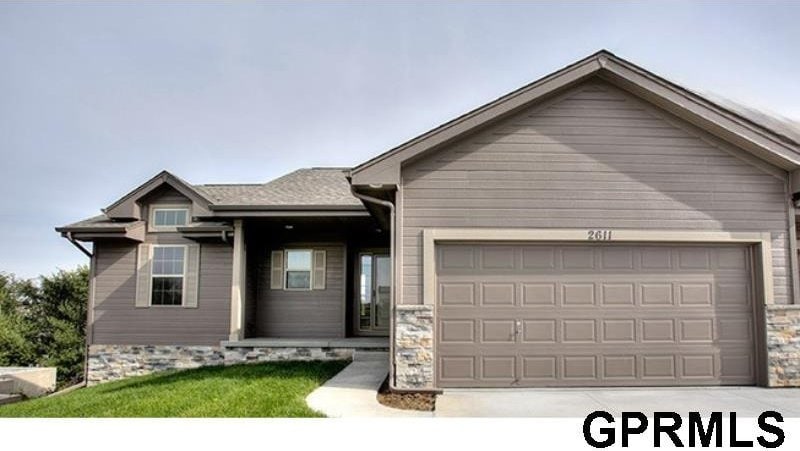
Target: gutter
[
  {"x": 256, "y": 207},
  {"x": 390, "y": 206}
]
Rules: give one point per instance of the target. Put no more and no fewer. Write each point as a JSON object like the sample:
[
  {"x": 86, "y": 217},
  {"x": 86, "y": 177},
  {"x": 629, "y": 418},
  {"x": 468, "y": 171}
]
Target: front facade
[{"x": 598, "y": 227}]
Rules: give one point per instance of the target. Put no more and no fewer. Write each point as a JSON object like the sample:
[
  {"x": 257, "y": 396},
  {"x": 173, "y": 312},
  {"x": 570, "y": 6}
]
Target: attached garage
[
  {"x": 600, "y": 226},
  {"x": 559, "y": 315}
]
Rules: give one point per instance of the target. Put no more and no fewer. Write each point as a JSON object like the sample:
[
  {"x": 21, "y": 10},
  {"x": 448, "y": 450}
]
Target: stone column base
[
  {"x": 413, "y": 347},
  {"x": 783, "y": 345}
]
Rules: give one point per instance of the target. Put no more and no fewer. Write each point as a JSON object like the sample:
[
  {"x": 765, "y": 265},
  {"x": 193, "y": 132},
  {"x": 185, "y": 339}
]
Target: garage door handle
[{"x": 517, "y": 329}]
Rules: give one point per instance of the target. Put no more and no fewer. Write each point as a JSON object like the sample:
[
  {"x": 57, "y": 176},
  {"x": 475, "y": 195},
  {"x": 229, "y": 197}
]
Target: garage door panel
[
  {"x": 656, "y": 258},
  {"x": 594, "y": 315},
  {"x": 539, "y": 368},
  {"x": 695, "y": 294},
  {"x": 539, "y": 331},
  {"x": 497, "y": 257},
  {"x": 579, "y": 367},
  {"x": 657, "y": 330},
  {"x": 614, "y": 258},
  {"x": 539, "y": 294},
  {"x": 457, "y": 368},
  {"x": 498, "y": 331},
  {"x": 698, "y": 366},
  {"x": 619, "y": 367},
  {"x": 538, "y": 258},
  {"x": 658, "y": 367},
  {"x": 656, "y": 294},
  {"x": 457, "y": 293},
  {"x": 694, "y": 258},
  {"x": 737, "y": 367},
  {"x": 457, "y": 331},
  {"x": 618, "y": 294},
  {"x": 618, "y": 331},
  {"x": 498, "y": 293},
  {"x": 499, "y": 368},
  {"x": 577, "y": 258},
  {"x": 735, "y": 329},
  {"x": 577, "y": 294},
  {"x": 578, "y": 331},
  {"x": 696, "y": 330}
]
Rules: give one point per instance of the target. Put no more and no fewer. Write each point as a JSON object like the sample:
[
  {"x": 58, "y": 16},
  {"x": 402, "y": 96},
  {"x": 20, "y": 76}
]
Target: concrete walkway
[
  {"x": 352, "y": 392},
  {"x": 745, "y": 401}
]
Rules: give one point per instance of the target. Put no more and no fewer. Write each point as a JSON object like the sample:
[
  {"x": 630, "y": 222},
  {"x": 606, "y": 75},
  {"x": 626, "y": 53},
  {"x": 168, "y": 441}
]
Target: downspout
[
  {"x": 390, "y": 206},
  {"x": 68, "y": 236},
  {"x": 89, "y": 306}
]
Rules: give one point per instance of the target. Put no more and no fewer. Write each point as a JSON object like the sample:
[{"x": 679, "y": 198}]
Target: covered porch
[{"x": 316, "y": 284}]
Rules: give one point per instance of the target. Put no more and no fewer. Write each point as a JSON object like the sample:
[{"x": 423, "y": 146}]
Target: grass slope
[{"x": 275, "y": 389}]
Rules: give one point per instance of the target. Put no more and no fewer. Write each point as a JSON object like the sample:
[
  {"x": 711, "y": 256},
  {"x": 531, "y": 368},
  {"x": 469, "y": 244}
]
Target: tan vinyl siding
[
  {"x": 595, "y": 157},
  {"x": 302, "y": 313},
  {"x": 118, "y": 321}
]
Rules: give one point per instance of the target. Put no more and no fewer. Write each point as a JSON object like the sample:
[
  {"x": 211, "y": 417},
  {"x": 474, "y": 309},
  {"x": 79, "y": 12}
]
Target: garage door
[{"x": 599, "y": 315}]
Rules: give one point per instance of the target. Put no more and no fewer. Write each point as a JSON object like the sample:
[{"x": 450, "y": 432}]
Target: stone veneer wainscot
[{"x": 112, "y": 362}]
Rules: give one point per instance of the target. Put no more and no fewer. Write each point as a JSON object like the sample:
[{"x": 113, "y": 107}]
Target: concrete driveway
[{"x": 745, "y": 401}]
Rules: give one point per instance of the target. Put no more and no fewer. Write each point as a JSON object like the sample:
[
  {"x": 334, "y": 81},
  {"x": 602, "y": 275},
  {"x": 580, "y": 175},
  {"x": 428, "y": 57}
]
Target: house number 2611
[{"x": 599, "y": 235}]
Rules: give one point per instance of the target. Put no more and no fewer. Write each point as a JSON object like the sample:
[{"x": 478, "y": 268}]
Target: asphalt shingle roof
[
  {"x": 97, "y": 222},
  {"x": 303, "y": 187},
  {"x": 787, "y": 128}
]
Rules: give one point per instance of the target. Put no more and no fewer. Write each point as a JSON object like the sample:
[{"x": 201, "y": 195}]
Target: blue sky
[{"x": 97, "y": 97}]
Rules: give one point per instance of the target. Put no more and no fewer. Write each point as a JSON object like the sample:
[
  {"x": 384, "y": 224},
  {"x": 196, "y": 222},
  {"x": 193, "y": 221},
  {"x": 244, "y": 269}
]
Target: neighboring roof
[
  {"x": 310, "y": 187},
  {"x": 771, "y": 139}
]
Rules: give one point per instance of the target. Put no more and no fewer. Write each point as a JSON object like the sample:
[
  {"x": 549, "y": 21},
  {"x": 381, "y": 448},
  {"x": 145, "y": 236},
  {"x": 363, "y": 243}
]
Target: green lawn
[{"x": 258, "y": 390}]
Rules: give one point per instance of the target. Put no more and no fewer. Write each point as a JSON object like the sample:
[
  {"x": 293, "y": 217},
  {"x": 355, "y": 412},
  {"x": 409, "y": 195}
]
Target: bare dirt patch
[{"x": 424, "y": 401}]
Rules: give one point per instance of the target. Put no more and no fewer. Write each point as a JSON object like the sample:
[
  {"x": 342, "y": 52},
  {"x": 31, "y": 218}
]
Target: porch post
[{"x": 238, "y": 282}]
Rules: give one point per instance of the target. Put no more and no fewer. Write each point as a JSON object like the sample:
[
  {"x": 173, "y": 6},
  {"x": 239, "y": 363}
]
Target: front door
[{"x": 373, "y": 297}]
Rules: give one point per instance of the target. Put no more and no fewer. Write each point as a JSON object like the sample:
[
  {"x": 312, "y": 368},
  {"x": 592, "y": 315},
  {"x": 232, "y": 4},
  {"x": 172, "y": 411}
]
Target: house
[{"x": 601, "y": 226}]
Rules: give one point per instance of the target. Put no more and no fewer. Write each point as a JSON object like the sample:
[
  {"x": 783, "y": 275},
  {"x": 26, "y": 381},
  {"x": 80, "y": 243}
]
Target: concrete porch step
[
  {"x": 360, "y": 355},
  {"x": 6, "y": 385},
  {"x": 8, "y": 399}
]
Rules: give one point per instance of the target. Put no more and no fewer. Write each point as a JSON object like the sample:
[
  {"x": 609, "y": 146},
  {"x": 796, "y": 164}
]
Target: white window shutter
[
  {"x": 143, "y": 280},
  {"x": 276, "y": 274},
  {"x": 192, "y": 278},
  {"x": 319, "y": 270}
]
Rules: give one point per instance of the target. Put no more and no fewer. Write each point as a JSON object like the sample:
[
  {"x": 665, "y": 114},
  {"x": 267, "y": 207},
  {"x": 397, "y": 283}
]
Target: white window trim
[
  {"x": 182, "y": 276},
  {"x": 286, "y": 270},
  {"x": 151, "y": 224}
]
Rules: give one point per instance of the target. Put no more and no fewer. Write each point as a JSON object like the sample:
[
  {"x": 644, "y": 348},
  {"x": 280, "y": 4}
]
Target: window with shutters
[
  {"x": 168, "y": 272},
  {"x": 299, "y": 268}
]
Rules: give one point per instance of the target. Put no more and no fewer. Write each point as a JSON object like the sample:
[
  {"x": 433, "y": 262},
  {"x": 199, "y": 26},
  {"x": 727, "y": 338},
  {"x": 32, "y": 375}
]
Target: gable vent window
[
  {"x": 169, "y": 218},
  {"x": 168, "y": 273}
]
